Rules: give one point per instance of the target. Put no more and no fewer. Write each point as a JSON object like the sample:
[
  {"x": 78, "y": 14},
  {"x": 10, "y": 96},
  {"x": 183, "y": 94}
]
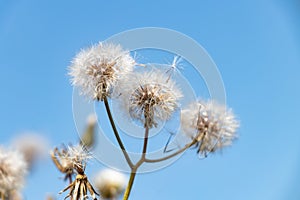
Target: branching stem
[
  {"x": 134, "y": 167},
  {"x": 137, "y": 165}
]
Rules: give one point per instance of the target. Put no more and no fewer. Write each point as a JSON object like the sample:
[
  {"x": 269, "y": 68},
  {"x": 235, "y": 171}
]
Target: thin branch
[
  {"x": 171, "y": 155},
  {"x": 116, "y": 133},
  {"x": 143, "y": 157}
]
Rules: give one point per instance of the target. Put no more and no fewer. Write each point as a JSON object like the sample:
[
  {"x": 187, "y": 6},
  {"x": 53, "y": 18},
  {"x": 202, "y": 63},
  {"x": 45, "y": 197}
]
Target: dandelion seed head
[
  {"x": 150, "y": 96},
  {"x": 78, "y": 155},
  {"x": 96, "y": 70},
  {"x": 73, "y": 157},
  {"x": 110, "y": 183},
  {"x": 13, "y": 169},
  {"x": 213, "y": 125}
]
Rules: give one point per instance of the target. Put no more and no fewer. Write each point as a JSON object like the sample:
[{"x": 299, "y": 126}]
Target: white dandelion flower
[
  {"x": 150, "y": 96},
  {"x": 211, "y": 124},
  {"x": 13, "y": 169},
  {"x": 96, "y": 70},
  {"x": 110, "y": 183}
]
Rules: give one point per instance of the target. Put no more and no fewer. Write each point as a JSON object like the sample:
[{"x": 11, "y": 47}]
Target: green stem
[
  {"x": 130, "y": 184},
  {"x": 137, "y": 165}
]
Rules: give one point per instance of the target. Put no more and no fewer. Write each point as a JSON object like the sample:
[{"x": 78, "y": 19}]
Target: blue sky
[{"x": 255, "y": 44}]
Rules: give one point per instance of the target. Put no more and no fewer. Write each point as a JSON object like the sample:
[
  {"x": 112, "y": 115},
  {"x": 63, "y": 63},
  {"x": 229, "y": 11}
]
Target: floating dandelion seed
[
  {"x": 211, "y": 124},
  {"x": 176, "y": 62},
  {"x": 174, "y": 66},
  {"x": 110, "y": 183},
  {"x": 97, "y": 69},
  {"x": 13, "y": 169},
  {"x": 150, "y": 96}
]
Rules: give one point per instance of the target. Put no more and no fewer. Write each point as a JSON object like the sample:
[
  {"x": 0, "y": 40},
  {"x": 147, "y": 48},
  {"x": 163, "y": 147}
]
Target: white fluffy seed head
[
  {"x": 149, "y": 96},
  {"x": 213, "y": 125},
  {"x": 110, "y": 183},
  {"x": 96, "y": 70},
  {"x": 78, "y": 155},
  {"x": 13, "y": 169},
  {"x": 74, "y": 157}
]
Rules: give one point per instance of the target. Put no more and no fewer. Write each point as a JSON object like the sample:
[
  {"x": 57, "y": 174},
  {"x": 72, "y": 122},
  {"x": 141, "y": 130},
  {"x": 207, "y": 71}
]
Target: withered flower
[
  {"x": 79, "y": 188},
  {"x": 63, "y": 163},
  {"x": 72, "y": 160}
]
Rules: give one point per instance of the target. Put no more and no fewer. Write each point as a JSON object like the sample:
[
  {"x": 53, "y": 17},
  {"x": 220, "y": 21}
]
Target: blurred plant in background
[
  {"x": 18, "y": 161},
  {"x": 13, "y": 169},
  {"x": 111, "y": 184},
  {"x": 33, "y": 146}
]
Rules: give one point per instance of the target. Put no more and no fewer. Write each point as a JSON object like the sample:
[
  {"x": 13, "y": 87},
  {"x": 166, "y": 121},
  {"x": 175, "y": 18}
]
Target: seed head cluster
[
  {"x": 97, "y": 69},
  {"x": 150, "y": 96},
  {"x": 211, "y": 124},
  {"x": 73, "y": 157}
]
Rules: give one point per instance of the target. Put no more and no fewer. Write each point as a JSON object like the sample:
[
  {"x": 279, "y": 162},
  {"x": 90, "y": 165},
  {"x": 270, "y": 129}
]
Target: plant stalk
[
  {"x": 117, "y": 134},
  {"x": 130, "y": 184},
  {"x": 137, "y": 165},
  {"x": 171, "y": 155}
]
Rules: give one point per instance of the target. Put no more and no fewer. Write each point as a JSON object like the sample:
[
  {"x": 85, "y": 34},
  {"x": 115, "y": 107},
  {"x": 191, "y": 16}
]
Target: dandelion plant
[{"x": 105, "y": 72}]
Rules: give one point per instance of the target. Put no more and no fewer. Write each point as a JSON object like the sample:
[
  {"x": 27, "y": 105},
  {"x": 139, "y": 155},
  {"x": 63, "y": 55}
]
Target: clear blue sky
[{"x": 255, "y": 43}]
